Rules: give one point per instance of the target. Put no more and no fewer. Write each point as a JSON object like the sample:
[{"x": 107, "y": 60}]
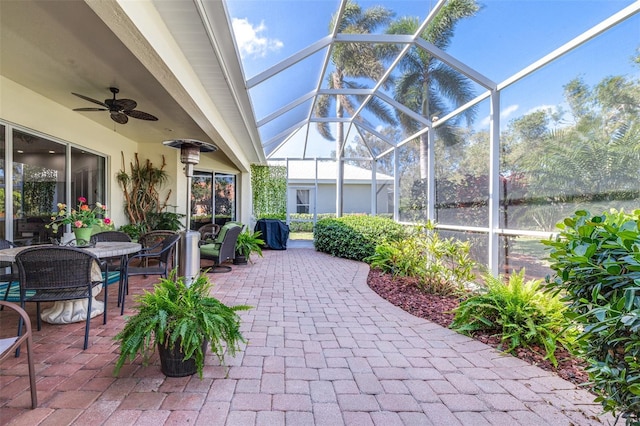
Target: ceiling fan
[{"x": 120, "y": 109}]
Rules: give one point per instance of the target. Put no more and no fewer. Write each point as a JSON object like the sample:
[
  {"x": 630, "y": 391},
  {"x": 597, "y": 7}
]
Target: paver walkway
[{"x": 323, "y": 350}]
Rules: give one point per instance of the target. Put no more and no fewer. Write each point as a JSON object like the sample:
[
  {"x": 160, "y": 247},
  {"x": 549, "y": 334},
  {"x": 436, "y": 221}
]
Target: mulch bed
[{"x": 404, "y": 293}]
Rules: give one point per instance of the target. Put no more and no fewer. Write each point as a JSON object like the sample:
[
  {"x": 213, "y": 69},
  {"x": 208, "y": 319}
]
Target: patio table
[{"x": 68, "y": 311}]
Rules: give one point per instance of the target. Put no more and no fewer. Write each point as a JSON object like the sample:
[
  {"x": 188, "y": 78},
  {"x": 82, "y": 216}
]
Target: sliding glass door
[{"x": 44, "y": 173}]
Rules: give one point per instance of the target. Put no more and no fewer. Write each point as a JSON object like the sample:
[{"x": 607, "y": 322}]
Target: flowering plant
[{"x": 84, "y": 216}]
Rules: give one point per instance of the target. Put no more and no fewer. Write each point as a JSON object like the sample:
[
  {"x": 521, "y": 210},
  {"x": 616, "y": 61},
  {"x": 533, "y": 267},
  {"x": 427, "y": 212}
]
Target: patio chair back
[
  {"x": 7, "y": 278},
  {"x": 111, "y": 236},
  {"x": 208, "y": 232},
  {"x": 112, "y": 267},
  {"x": 135, "y": 265},
  {"x": 56, "y": 273},
  {"x": 10, "y": 344}
]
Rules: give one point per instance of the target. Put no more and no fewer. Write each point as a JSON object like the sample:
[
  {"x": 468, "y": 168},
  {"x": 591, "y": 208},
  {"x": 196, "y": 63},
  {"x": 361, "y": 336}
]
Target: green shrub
[
  {"x": 443, "y": 265},
  {"x": 521, "y": 312},
  {"x": 449, "y": 267},
  {"x": 279, "y": 216},
  {"x": 295, "y": 226},
  {"x": 596, "y": 260},
  {"x": 399, "y": 258},
  {"x": 355, "y": 237},
  {"x": 134, "y": 230}
]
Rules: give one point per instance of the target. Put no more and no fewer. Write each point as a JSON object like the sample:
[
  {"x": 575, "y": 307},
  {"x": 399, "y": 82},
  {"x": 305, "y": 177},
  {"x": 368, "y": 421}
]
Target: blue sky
[{"x": 505, "y": 36}]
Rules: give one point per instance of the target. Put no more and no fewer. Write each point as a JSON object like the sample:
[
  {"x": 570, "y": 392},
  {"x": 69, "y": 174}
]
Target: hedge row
[{"x": 355, "y": 237}]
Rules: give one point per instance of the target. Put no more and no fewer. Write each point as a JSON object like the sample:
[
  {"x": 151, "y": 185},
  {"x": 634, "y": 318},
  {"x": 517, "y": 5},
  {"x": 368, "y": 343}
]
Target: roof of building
[{"x": 305, "y": 170}]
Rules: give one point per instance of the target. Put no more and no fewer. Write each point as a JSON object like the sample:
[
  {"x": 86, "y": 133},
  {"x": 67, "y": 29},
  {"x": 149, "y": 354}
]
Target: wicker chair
[
  {"x": 208, "y": 232},
  {"x": 163, "y": 257},
  {"x": 112, "y": 263},
  {"x": 57, "y": 273},
  {"x": 10, "y": 344},
  {"x": 152, "y": 241},
  {"x": 223, "y": 248},
  {"x": 8, "y": 278}
]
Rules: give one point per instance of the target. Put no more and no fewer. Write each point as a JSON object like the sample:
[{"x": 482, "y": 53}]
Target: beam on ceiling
[
  {"x": 456, "y": 64},
  {"x": 286, "y": 108},
  {"x": 291, "y": 60}
]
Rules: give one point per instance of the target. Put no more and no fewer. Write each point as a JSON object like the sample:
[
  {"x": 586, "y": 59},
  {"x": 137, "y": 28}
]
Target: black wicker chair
[
  {"x": 112, "y": 263},
  {"x": 11, "y": 277},
  {"x": 152, "y": 241},
  {"x": 162, "y": 255},
  {"x": 57, "y": 273},
  {"x": 10, "y": 344}
]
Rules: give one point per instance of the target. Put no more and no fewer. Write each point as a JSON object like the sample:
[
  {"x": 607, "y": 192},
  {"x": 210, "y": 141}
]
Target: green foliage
[
  {"x": 521, "y": 312},
  {"x": 175, "y": 312},
  {"x": 295, "y": 226},
  {"x": 269, "y": 186},
  {"x": 279, "y": 216},
  {"x": 355, "y": 237},
  {"x": 596, "y": 260},
  {"x": 134, "y": 230},
  {"x": 443, "y": 265},
  {"x": 164, "y": 220},
  {"x": 249, "y": 242}
]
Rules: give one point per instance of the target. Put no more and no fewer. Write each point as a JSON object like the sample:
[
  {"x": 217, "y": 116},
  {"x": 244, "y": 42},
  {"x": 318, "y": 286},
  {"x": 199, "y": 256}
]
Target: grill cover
[{"x": 275, "y": 233}]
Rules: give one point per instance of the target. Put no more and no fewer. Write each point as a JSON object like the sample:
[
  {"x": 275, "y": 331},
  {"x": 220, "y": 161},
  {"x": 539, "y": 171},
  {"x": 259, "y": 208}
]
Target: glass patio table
[{"x": 68, "y": 311}]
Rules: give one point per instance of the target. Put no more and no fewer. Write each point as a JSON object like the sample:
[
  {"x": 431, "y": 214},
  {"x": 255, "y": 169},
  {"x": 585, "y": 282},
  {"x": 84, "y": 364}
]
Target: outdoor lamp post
[{"x": 189, "y": 252}]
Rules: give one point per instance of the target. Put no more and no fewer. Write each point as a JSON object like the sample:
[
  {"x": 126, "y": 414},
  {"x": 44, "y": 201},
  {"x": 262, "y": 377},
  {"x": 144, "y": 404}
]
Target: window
[
  {"x": 302, "y": 201},
  {"x": 225, "y": 199},
  {"x": 201, "y": 199},
  {"x": 42, "y": 175}
]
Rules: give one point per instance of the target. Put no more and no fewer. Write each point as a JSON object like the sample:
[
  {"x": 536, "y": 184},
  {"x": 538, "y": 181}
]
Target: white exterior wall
[
  {"x": 357, "y": 199},
  {"x": 31, "y": 111}
]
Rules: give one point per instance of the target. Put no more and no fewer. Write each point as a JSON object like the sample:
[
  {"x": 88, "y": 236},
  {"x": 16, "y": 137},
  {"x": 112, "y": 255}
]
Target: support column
[{"x": 494, "y": 182}]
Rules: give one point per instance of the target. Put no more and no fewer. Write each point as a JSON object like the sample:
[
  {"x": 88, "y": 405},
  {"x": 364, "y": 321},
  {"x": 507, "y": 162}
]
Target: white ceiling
[{"x": 58, "y": 47}]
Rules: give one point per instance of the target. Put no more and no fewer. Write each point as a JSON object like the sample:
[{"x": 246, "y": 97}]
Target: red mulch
[{"x": 403, "y": 292}]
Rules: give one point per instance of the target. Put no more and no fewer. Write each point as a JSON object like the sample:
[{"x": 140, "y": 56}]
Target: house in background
[{"x": 312, "y": 188}]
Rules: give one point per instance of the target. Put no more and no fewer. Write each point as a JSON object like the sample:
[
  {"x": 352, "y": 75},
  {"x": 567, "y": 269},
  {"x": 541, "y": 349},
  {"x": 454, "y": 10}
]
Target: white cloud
[
  {"x": 250, "y": 41},
  {"x": 504, "y": 114},
  {"x": 548, "y": 108}
]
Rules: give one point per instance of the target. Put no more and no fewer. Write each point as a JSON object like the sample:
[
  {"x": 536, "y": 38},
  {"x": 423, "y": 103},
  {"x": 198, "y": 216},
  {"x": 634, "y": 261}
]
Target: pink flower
[
  {"x": 107, "y": 221},
  {"x": 82, "y": 199},
  {"x": 77, "y": 224}
]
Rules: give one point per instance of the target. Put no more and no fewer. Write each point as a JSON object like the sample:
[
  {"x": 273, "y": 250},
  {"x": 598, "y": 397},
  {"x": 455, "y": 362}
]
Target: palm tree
[
  {"x": 353, "y": 60},
  {"x": 426, "y": 84}
]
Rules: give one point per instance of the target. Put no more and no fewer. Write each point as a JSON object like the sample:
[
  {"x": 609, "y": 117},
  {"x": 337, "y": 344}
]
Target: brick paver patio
[{"x": 323, "y": 350}]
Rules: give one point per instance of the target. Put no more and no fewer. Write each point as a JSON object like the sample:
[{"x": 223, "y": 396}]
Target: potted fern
[
  {"x": 181, "y": 321},
  {"x": 248, "y": 242}
]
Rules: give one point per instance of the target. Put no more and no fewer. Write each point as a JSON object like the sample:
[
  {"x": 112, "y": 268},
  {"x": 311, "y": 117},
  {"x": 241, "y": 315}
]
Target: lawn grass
[{"x": 301, "y": 236}]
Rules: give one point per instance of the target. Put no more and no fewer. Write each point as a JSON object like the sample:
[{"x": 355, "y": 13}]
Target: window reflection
[
  {"x": 225, "y": 198},
  {"x": 38, "y": 185},
  {"x": 201, "y": 199},
  {"x": 39, "y": 182}
]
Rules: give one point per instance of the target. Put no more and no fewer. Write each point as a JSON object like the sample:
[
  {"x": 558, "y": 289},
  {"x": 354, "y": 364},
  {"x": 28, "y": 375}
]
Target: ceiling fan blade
[
  {"x": 141, "y": 115},
  {"x": 90, "y": 100},
  {"x": 119, "y": 117},
  {"x": 125, "y": 104},
  {"x": 90, "y": 109}
]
